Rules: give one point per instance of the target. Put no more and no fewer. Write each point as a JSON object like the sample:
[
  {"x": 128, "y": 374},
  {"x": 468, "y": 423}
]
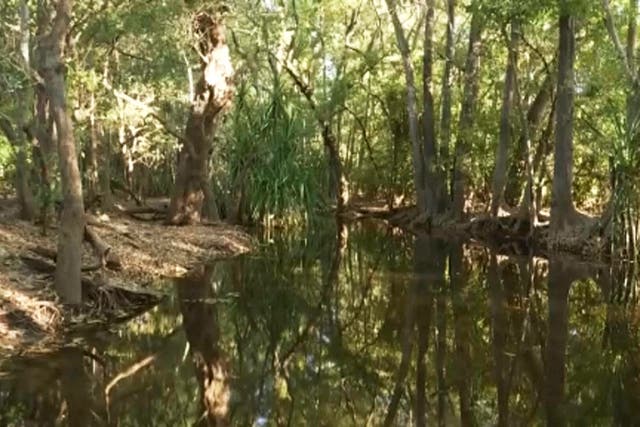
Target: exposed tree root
[
  {"x": 101, "y": 294},
  {"x": 511, "y": 232}
]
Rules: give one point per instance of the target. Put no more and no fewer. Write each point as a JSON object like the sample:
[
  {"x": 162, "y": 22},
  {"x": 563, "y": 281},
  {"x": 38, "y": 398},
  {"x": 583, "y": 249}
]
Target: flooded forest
[{"x": 322, "y": 213}]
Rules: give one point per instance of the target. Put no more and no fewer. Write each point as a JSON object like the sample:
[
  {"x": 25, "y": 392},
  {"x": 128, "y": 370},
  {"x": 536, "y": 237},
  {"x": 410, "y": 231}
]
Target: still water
[{"x": 352, "y": 327}]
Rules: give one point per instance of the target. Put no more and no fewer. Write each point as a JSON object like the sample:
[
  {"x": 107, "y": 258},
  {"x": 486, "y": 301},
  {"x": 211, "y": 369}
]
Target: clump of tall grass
[
  {"x": 273, "y": 160},
  {"x": 625, "y": 181}
]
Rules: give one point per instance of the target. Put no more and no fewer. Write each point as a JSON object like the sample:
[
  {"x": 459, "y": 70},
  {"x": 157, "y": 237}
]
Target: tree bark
[
  {"x": 23, "y": 188},
  {"x": 92, "y": 152},
  {"x": 337, "y": 182},
  {"x": 534, "y": 116},
  {"x": 213, "y": 95},
  {"x": 562, "y": 209},
  {"x": 41, "y": 129},
  {"x": 417, "y": 151},
  {"x": 467, "y": 113},
  {"x": 502, "y": 153},
  {"x": 433, "y": 182},
  {"x": 445, "y": 116},
  {"x": 68, "y": 264}
]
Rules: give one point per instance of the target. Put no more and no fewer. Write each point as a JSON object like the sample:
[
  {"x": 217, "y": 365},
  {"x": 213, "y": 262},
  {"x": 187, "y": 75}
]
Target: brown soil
[{"x": 31, "y": 316}]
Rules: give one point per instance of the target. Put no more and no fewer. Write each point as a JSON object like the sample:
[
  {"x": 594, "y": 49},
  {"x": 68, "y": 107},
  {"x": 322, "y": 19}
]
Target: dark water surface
[{"x": 355, "y": 327}]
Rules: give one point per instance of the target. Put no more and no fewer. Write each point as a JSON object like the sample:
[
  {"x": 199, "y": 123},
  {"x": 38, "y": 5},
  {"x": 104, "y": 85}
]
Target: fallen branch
[
  {"x": 103, "y": 251},
  {"x": 142, "y": 210},
  {"x": 107, "y": 257},
  {"x": 43, "y": 266},
  {"x": 137, "y": 212},
  {"x": 117, "y": 185},
  {"x": 38, "y": 264}
]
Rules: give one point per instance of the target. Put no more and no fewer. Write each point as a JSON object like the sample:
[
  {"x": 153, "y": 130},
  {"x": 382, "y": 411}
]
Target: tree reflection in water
[
  {"x": 356, "y": 325},
  {"x": 197, "y": 301}
]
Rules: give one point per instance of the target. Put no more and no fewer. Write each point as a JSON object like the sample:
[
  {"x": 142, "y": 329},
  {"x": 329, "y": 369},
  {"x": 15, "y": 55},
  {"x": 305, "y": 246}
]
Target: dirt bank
[{"x": 31, "y": 316}]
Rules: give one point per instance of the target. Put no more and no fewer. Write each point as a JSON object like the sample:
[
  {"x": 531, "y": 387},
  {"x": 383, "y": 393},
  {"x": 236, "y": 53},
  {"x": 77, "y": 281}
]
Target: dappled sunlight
[{"x": 147, "y": 251}]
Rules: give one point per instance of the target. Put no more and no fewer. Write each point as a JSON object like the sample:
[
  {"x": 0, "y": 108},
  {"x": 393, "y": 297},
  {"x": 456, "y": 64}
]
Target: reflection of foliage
[{"x": 303, "y": 347}]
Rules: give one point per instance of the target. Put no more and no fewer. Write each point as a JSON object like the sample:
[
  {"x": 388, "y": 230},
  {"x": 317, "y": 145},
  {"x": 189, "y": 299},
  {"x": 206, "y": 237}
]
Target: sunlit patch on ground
[{"x": 30, "y": 313}]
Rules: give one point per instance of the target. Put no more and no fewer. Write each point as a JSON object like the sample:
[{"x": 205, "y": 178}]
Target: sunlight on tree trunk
[
  {"x": 417, "y": 156},
  {"x": 504, "y": 140},
  {"x": 467, "y": 117},
  {"x": 446, "y": 103},
  {"x": 24, "y": 193},
  {"x": 213, "y": 94},
  {"x": 68, "y": 263},
  {"x": 562, "y": 210}
]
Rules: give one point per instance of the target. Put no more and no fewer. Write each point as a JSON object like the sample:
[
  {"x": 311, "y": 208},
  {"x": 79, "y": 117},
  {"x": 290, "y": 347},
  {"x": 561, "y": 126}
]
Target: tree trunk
[
  {"x": 337, "y": 183},
  {"x": 562, "y": 209},
  {"x": 41, "y": 129},
  {"x": 529, "y": 123},
  {"x": 534, "y": 116},
  {"x": 23, "y": 189},
  {"x": 417, "y": 153},
  {"x": 445, "y": 116},
  {"x": 502, "y": 153},
  {"x": 213, "y": 94},
  {"x": 104, "y": 173},
  {"x": 433, "y": 183},
  {"x": 92, "y": 152},
  {"x": 337, "y": 187},
  {"x": 467, "y": 113},
  {"x": 68, "y": 264}
]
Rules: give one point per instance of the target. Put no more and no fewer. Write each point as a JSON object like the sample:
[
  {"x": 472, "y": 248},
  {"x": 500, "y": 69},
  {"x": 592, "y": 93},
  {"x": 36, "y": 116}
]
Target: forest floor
[{"x": 31, "y": 316}]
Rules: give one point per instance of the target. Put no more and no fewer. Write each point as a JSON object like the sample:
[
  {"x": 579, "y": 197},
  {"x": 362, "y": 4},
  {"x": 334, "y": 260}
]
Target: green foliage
[
  {"x": 136, "y": 61},
  {"x": 271, "y": 145},
  {"x": 7, "y": 165}
]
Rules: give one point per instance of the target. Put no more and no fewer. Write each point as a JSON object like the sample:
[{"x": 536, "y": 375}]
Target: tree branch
[{"x": 611, "y": 29}]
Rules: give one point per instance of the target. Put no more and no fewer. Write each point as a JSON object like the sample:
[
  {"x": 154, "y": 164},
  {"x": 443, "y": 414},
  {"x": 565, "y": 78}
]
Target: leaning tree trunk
[
  {"x": 502, "y": 154},
  {"x": 562, "y": 209},
  {"x": 68, "y": 263},
  {"x": 467, "y": 113},
  {"x": 213, "y": 94},
  {"x": 417, "y": 156},
  {"x": 534, "y": 116},
  {"x": 338, "y": 191}
]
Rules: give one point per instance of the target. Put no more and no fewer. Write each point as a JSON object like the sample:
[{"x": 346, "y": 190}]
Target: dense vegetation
[{"x": 252, "y": 111}]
